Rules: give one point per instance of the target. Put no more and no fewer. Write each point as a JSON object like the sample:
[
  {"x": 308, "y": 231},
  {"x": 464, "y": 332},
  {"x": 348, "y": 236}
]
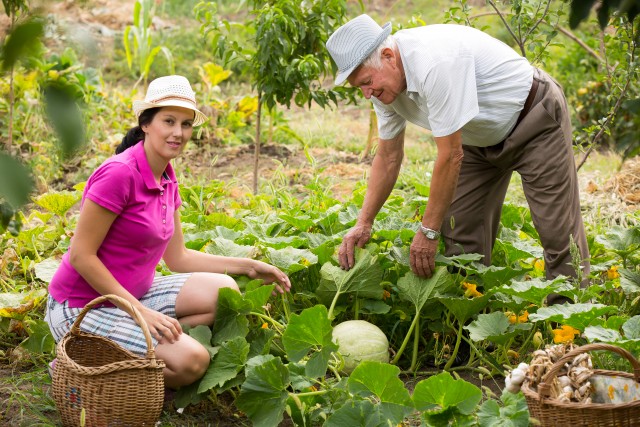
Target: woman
[{"x": 130, "y": 220}]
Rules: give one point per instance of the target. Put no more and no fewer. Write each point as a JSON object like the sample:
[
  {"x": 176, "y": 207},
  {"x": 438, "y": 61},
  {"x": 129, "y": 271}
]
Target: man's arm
[
  {"x": 444, "y": 181},
  {"x": 384, "y": 173}
]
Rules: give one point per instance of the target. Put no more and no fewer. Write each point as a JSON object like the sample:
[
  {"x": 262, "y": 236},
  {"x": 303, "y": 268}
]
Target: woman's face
[{"x": 169, "y": 131}]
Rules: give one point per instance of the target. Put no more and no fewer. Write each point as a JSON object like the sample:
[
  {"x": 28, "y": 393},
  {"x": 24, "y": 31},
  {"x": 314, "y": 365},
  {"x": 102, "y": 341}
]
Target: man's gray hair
[{"x": 374, "y": 60}]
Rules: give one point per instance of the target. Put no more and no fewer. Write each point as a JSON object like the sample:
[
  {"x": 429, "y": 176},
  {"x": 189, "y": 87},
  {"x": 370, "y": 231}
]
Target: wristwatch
[{"x": 429, "y": 233}]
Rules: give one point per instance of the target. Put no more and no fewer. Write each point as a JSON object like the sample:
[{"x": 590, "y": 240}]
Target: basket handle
[
  {"x": 128, "y": 308},
  {"x": 544, "y": 388}
]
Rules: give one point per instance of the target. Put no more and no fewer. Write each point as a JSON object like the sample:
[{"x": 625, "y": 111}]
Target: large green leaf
[
  {"x": 15, "y": 181},
  {"x": 357, "y": 413},
  {"x": 300, "y": 222},
  {"x": 441, "y": 392},
  {"x": 58, "y": 202},
  {"x": 631, "y": 328},
  {"x": 227, "y": 363},
  {"x": 202, "y": 334},
  {"x": 224, "y": 247},
  {"x": 495, "y": 327},
  {"x": 284, "y": 242},
  {"x": 380, "y": 381},
  {"x": 418, "y": 290},
  {"x": 39, "y": 339},
  {"x": 493, "y": 276},
  {"x": 464, "y": 308},
  {"x": 290, "y": 259},
  {"x": 310, "y": 330},
  {"x": 22, "y": 42},
  {"x": 363, "y": 279},
  {"x": 260, "y": 340},
  {"x": 629, "y": 281},
  {"x": 259, "y": 297},
  {"x": 600, "y": 333},
  {"x": 512, "y": 413},
  {"x": 263, "y": 395},
  {"x": 621, "y": 240},
  {"x": 65, "y": 115},
  {"x": 578, "y": 316},
  {"x": 231, "y": 317},
  {"x": 16, "y": 305},
  {"x": 46, "y": 268},
  {"x": 535, "y": 290}
]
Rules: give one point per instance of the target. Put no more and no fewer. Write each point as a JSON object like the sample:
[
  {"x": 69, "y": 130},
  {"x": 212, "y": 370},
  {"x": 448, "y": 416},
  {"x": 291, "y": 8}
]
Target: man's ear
[{"x": 388, "y": 54}]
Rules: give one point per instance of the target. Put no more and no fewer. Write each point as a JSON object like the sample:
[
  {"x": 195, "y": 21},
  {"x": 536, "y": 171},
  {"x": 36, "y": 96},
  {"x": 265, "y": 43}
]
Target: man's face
[{"x": 385, "y": 84}]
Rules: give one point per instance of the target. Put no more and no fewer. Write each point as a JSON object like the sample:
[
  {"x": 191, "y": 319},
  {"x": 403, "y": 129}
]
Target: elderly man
[{"x": 490, "y": 112}]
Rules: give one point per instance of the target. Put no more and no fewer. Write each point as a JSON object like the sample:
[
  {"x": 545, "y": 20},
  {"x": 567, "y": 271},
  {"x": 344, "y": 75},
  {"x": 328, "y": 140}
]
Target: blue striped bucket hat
[{"x": 353, "y": 42}]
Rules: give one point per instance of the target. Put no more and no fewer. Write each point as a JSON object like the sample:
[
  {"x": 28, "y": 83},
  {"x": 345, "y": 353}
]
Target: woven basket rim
[{"x": 132, "y": 358}]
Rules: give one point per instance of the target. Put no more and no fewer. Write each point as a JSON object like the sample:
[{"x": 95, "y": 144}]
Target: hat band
[{"x": 183, "y": 98}]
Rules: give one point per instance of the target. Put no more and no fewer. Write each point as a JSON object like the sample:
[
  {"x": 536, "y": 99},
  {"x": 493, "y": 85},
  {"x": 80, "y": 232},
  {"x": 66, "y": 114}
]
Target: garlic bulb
[{"x": 572, "y": 381}]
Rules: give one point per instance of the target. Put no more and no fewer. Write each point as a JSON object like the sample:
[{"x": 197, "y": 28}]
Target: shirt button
[
  {"x": 164, "y": 221},
  {"x": 162, "y": 193},
  {"x": 164, "y": 206}
]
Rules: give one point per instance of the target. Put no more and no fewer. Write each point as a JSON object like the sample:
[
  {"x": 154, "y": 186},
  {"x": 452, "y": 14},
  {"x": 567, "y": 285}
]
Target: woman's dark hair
[{"x": 136, "y": 134}]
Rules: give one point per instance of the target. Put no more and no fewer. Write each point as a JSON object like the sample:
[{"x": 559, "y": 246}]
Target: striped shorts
[{"x": 116, "y": 324}]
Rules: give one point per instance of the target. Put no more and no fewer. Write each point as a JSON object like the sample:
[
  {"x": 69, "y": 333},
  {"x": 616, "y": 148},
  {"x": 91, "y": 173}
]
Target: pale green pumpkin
[{"x": 359, "y": 340}]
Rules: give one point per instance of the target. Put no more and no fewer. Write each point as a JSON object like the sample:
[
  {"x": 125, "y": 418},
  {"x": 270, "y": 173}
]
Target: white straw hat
[
  {"x": 170, "y": 91},
  {"x": 353, "y": 42}
]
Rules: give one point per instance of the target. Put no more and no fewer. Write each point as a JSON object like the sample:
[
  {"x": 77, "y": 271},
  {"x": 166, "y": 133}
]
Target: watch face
[{"x": 431, "y": 234}]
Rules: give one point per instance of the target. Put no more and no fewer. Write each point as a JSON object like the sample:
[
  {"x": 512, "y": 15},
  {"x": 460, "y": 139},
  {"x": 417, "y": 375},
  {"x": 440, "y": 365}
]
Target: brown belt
[{"x": 529, "y": 102}]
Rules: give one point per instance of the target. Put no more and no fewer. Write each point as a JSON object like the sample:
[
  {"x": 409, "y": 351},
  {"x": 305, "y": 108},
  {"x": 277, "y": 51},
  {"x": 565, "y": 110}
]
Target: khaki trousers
[{"x": 540, "y": 150}]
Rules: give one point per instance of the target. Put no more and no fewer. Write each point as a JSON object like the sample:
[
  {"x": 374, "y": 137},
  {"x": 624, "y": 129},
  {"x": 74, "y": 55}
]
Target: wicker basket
[
  {"x": 114, "y": 386},
  {"x": 551, "y": 412}
]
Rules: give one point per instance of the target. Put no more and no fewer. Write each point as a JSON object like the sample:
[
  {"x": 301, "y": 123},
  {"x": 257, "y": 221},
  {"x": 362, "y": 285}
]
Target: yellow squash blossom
[
  {"x": 470, "y": 290},
  {"x": 265, "y": 326},
  {"x": 385, "y": 294},
  {"x": 539, "y": 265},
  {"x": 518, "y": 319},
  {"x": 564, "y": 335},
  {"x": 612, "y": 273}
]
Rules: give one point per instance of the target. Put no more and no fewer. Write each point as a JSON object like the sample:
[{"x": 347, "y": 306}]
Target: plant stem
[
  {"x": 333, "y": 305},
  {"x": 310, "y": 393},
  {"x": 484, "y": 356},
  {"x": 356, "y": 309},
  {"x": 478, "y": 370},
  {"x": 285, "y": 305},
  {"x": 406, "y": 339},
  {"x": 279, "y": 326},
  {"x": 256, "y": 151},
  {"x": 455, "y": 349},
  {"x": 416, "y": 341}
]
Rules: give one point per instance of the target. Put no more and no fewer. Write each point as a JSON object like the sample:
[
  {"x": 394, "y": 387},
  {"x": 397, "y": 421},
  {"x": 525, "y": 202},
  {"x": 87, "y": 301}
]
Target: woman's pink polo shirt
[{"x": 137, "y": 239}]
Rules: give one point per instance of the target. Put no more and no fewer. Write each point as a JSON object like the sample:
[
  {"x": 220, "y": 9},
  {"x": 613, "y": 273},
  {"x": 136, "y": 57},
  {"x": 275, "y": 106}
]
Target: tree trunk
[
  {"x": 11, "y": 105},
  {"x": 256, "y": 153},
  {"x": 373, "y": 133}
]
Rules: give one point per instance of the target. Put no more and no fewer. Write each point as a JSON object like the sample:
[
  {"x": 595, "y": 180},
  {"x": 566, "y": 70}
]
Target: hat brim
[
  {"x": 343, "y": 75},
  {"x": 140, "y": 106}
]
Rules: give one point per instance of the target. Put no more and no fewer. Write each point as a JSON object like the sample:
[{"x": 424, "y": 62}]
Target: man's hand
[
  {"x": 423, "y": 255},
  {"x": 358, "y": 236}
]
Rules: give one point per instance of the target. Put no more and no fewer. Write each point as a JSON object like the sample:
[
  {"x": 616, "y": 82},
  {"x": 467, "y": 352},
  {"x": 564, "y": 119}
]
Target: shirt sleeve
[
  {"x": 110, "y": 186},
  {"x": 452, "y": 95},
  {"x": 390, "y": 123},
  {"x": 177, "y": 201}
]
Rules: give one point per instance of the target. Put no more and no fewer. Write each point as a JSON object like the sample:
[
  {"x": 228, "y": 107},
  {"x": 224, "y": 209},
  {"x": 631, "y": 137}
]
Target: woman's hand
[
  {"x": 269, "y": 274},
  {"x": 164, "y": 328}
]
